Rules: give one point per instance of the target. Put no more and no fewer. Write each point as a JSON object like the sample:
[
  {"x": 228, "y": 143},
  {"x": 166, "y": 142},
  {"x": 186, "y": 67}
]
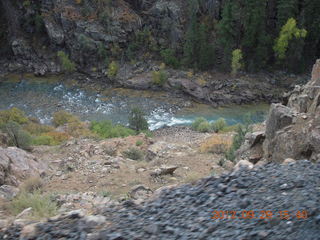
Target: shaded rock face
[
  {"x": 83, "y": 29},
  {"x": 16, "y": 165},
  {"x": 294, "y": 130}
]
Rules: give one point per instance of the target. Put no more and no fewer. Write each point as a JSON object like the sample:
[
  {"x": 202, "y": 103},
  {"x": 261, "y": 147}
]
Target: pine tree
[
  {"x": 190, "y": 47},
  {"x": 255, "y": 42},
  {"x": 229, "y": 30},
  {"x": 205, "y": 52},
  {"x": 286, "y": 9}
]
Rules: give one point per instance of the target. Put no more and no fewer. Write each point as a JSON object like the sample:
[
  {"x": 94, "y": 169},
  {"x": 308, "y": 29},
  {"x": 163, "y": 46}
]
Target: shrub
[
  {"x": 168, "y": 56},
  {"x": 42, "y": 206},
  {"x": 137, "y": 120},
  {"x": 43, "y": 140},
  {"x": 32, "y": 184},
  {"x": 113, "y": 69},
  {"x": 197, "y": 122},
  {"x": 237, "y": 141},
  {"x": 67, "y": 64},
  {"x": 58, "y": 137},
  {"x": 219, "y": 125},
  {"x": 134, "y": 154},
  {"x": 139, "y": 143},
  {"x": 17, "y": 136},
  {"x": 36, "y": 128},
  {"x": 106, "y": 129},
  {"x": 216, "y": 144},
  {"x": 13, "y": 114},
  {"x": 204, "y": 127},
  {"x": 63, "y": 117},
  {"x": 79, "y": 129},
  {"x": 159, "y": 77}
]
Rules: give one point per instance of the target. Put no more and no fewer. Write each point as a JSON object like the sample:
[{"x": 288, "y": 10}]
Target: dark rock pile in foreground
[{"x": 185, "y": 212}]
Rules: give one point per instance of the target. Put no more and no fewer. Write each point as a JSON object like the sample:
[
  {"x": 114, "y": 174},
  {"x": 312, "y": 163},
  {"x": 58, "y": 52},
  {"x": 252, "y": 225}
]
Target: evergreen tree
[
  {"x": 137, "y": 120},
  {"x": 229, "y": 30},
  {"x": 190, "y": 47},
  {"x": 205, "y": 53},
  {"x": 256, "y": 42},
  {"x": 286, "y": 9}
]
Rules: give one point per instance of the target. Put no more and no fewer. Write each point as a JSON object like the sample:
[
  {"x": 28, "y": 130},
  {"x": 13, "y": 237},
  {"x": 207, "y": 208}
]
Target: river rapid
[{"x": 41, "y": 97}]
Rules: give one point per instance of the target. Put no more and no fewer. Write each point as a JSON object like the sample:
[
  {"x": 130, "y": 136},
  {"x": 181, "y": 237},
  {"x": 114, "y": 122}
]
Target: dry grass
[
  {"x": 42, "y": 205},
  {"x": 218, "y": 144},
  {"x": 192, "y": 177},
  {"x": 32, "y": 184}
]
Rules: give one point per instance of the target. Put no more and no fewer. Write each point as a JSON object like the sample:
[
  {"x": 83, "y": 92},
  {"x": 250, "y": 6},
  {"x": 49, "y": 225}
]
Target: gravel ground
[{"x": 186, "y": 212}]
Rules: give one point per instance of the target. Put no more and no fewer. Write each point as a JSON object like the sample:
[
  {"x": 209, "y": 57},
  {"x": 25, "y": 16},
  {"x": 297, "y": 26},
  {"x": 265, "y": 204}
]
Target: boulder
[
  {"x": 289, "y": 161},
  {"x": 293, "y": 131},
  {"x": 8, "y": 192},
  {"x": 163, "y": 170},
  {"x": 243, "y": 164},
  {"x": 55, "y": 31},
  {"x": 279, "y": 117},
  {"x": 17, "y": 165},
  {"x": 140, "y": 192},
  {"x": 251, "y": 149}
]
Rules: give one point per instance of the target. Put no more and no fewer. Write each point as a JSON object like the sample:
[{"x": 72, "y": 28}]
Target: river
[{"x": 41, "y": 97}]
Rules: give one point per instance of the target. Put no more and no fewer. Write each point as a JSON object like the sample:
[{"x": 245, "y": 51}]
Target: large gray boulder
[
  {"x": 279, "y": 117},
  {"x": 17, "y": 165},
  {"x": 293, "y": 131}
]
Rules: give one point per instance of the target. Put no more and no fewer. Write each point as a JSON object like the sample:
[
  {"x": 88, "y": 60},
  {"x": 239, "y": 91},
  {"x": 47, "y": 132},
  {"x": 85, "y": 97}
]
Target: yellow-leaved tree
[
  {"x": 287, "y": 33},
  {"x": 236, "y": 63}
]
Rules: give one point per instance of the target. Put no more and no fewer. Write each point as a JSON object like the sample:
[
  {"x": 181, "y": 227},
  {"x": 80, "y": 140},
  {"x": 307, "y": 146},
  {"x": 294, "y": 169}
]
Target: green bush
[
  {"x": 36, "y": 128},
  {"x": 137, "y": 120},
  {"x": 139, "y": 143},
  {"x": 106, "y": 129},
  {"x": 204, "y": 127},
  {"x": 113, "y": 69},
  {"x": 14, "y": 115},
  {"x": 67, "y": 64},
  {"x": 219, "y": 125},
  {"x": 159, "y": 77},
  {"x": 168, "y": 56},
  {"x": 197, "y": 122},
  {"x": 42, "y": 206},
  {"x": 134, "y": 154},
  {"x": 44, "y": 140},
  {"x": 237, "y": 141},
  {"x": 17, "y": 136},
  {"x": 62, "y": 117}
]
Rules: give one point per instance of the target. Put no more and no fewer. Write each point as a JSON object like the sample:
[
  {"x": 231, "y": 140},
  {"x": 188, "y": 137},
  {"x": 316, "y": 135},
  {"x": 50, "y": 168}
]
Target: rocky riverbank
[{"x": 271, "y": 192}]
